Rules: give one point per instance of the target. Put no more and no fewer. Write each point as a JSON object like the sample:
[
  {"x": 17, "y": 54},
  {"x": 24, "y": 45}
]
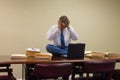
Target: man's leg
[{"x": 56, "y": 50}]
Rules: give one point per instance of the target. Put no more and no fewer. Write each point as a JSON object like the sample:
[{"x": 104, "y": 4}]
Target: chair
[
  {"x": 116, "y": 74},
  {"x": 28, "y": 70},
  {"x": 77, "y": 69},
  {"x": 105, "y": 68},
  {"x": 53, "y": 70},
  {"x": 6, "y": 72}
]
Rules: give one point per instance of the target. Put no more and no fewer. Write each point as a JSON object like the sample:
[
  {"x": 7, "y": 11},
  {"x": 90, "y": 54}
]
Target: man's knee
[{"x": 48, "y": 47}]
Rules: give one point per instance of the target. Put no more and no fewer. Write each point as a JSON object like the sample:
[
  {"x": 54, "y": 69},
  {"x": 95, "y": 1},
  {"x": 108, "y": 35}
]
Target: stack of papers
[
  {"x": 46, "y": 56},
  {"x": 18, "y": 56},
  {"x": 95, "y": 54},
  {"x": 37, "y": 56},
  {"x": 32, "y": 51}
]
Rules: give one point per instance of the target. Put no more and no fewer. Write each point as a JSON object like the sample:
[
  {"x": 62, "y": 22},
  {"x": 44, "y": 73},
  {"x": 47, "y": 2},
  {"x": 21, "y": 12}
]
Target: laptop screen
[{"x": 76, "y": 51}]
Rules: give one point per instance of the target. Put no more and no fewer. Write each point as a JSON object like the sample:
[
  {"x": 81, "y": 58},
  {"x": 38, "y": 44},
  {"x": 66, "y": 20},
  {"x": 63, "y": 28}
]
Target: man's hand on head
[{"x": 62, "y": 25}]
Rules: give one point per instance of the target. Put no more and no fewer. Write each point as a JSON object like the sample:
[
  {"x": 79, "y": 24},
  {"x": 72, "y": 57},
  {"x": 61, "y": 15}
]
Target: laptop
[{"x": 75, "y": 51}]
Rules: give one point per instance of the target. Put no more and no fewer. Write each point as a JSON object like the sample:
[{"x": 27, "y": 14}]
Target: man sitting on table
[{"x": 61, "y": 35}]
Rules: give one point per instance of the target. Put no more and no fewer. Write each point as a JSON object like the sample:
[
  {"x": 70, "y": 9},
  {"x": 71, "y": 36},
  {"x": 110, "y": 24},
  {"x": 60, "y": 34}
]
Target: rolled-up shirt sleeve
[
  {"x": 51, "y": 34},
  {"x": 73, "y": 34}
]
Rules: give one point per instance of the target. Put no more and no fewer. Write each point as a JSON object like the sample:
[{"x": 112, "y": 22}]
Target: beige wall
[{"x": 24, "y": 23}]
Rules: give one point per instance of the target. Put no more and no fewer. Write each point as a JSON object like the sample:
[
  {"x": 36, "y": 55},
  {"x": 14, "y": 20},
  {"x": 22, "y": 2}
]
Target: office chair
[
  {"x": 105, "y": 68},
  {"x": 28, "y": 70},
  {"x": 6, "y": 72},
  {"x": 53, "y": 71},
  {"x": 116, "y": 74},
  {"x": 77, "y": 69}
]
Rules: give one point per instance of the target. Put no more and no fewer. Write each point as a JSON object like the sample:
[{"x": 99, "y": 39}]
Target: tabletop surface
[{"x": 6, "y": 59}]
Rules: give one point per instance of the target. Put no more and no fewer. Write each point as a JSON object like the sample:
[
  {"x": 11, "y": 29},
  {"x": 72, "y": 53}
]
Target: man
[{"x": 61, "y": 35}]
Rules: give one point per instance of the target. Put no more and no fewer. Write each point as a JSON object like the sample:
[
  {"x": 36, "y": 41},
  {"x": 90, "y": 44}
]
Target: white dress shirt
[{"x": 54, "y": 34}]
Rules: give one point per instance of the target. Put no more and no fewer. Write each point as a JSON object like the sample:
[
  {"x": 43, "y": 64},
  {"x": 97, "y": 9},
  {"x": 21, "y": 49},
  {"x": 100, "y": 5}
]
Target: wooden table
[{"x": 6, "y": 59}]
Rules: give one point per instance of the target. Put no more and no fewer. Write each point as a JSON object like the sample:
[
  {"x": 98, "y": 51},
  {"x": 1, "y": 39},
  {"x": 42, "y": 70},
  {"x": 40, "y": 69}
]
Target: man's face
[{"x": 61, "y": 25}]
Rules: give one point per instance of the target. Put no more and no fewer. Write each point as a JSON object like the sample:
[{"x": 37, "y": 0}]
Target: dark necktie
[{"x": 62, "y": 40}]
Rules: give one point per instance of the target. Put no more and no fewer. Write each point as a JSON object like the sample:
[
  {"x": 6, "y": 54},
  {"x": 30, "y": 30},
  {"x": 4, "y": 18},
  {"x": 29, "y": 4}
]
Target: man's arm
[
  {"x": 73, "y": 34},
  {"x": 52, "y": 32}
]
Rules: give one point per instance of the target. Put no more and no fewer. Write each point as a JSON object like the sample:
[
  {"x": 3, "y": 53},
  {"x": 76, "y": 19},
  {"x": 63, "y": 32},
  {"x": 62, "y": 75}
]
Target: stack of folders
[
  {"x": 18, "y": 56},
  {"x": 43, "y": 56},
  {"x": 99, "y": 54},
  {"x": 32, "y": 53},
  {"x": 95, "y": 54},
  {"x": 38, "y": 56},
  {"x": 35, "y": 52}
]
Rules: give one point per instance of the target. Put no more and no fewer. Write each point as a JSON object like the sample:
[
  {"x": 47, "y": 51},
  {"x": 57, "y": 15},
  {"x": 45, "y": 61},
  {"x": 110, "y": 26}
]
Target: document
[{"x": 18, "y": 56}]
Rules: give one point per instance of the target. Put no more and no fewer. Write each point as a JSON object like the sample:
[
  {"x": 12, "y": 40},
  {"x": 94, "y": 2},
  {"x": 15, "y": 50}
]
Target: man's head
[{"x": 63, "y": 22}]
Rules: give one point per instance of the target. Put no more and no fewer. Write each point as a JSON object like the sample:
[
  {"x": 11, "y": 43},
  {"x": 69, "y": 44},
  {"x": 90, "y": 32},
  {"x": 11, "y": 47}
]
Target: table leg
[{"x": 24, "y": 72}]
